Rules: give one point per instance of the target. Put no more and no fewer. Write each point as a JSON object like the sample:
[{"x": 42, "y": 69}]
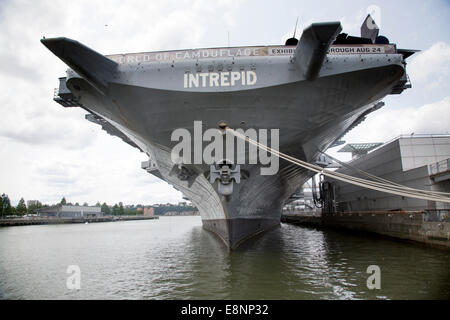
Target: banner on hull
[{"x": 223, "y": 53}]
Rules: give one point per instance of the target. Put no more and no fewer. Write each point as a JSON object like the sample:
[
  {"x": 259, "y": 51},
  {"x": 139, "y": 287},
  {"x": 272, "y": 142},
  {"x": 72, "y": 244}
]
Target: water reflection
[
  {"x": 174, "y": 258},
  {"x": 298, "y": 263}
]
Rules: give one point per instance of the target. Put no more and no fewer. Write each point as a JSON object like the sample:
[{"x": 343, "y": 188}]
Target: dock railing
[
  {"x": 439, "y": 167},
  {"x": 436, "y": 215}
]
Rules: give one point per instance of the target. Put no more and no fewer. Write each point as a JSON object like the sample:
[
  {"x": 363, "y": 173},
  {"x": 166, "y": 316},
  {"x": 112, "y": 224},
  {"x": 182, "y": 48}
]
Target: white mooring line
[{"x": 386, "y": 186}]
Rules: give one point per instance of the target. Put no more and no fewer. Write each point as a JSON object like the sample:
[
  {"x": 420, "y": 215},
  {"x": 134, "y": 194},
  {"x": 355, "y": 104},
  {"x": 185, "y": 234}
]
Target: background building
[
  {"x": 66, "y": 211},
  {"x": 417, "y": 161},
  {"x": 149, "y": 211}
]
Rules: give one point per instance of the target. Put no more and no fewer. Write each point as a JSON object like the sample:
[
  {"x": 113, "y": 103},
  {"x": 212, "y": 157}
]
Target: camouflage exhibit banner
[{"x": 223, "y": 53}]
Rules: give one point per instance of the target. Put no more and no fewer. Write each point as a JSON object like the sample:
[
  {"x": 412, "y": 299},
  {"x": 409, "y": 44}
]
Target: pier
[{"x": 50, "y": 220}]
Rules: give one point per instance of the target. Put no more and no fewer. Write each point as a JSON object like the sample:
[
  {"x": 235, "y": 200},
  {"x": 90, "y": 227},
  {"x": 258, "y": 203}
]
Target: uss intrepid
[{"x": 314, "y": 90}]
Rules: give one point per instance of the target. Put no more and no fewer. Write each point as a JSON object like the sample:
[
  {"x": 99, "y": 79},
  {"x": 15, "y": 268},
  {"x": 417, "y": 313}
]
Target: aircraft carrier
[{"x": 313, "y": 90}]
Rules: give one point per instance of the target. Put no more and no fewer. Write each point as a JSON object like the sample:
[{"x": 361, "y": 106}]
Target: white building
[
  {"x": 66, "y": 211},
  {"x": 417, "y": 161}
]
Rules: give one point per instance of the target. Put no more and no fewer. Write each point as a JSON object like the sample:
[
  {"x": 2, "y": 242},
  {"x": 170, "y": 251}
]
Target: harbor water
[{"x": 174, "y": 258}]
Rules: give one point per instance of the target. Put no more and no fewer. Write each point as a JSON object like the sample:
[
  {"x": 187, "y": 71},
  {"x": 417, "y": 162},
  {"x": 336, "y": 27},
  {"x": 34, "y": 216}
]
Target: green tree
[
  {"x": 6, "y": 205},
  {"x": 63, "y": 201},
  {"x": 32, "y": 209},
  {"x": 105, "y": 209},
  {"x": 77, "y": 204},
  {"x": 98, "y": 204},
  {"x": 121, "y": 211},
  {"x": 21, "y": 208},
  {"x": 85, "y": 204},
  {"x": 115, "y": 209}
]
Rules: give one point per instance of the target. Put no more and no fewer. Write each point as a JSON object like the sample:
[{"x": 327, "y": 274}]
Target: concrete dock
[
  {"x": 428, "y": 227},
  {"x": 39, "y": 220}
]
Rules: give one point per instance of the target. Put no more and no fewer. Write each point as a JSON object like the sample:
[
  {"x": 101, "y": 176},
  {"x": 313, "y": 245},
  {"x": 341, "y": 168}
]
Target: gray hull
[
  {"x": 311, "y": 115},
  {"x": 313, "y": 93}
]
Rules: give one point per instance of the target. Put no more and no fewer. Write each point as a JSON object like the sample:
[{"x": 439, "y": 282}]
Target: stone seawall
[{"x": 415, "y": 226}]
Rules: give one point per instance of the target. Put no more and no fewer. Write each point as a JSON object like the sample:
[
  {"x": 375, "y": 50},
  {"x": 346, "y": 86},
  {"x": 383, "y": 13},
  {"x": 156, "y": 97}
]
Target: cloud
[
  {"x": 49, "y": 151},
  {"x": 388, "y": 123},
  {"x": 431, "y": 67},
  {"x": 352, "y": 25},
  {"x": 11, "y": 67},
  {"x": 49, "y": 132},
  {"x": 34, "y": 118}
]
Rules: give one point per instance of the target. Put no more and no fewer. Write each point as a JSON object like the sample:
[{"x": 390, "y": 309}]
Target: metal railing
[
  {"x": 437, "y": 215},
  {"x": 439, "y": 167}
]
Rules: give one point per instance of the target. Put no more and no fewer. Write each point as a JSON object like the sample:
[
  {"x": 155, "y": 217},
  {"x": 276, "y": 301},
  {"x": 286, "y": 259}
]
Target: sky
[{"x": 47, "y": 151}]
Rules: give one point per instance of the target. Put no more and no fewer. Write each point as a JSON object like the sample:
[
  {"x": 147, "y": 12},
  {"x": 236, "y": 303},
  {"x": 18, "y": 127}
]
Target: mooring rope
[
  {"x": 371, "y": 176},
  {"x": 384, "y": 186}
]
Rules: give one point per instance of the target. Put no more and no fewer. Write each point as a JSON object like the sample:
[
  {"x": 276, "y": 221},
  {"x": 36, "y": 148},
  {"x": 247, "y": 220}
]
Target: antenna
[
  {"x": 295, "y": 29},
  {"x": 292, "y": 41}
]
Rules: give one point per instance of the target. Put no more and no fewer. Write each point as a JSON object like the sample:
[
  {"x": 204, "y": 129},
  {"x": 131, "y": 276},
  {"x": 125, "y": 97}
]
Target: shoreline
[
  {"x": 414, "y": 227},
  {"x": 39, "y": 221}
]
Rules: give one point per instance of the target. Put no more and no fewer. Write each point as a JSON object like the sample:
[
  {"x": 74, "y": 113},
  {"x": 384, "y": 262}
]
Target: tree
[
  {"x": 105, "y": 209},
  {"x": 21, "y": 208},
  {"x": 85, "y": 204},
  {"x": 32, "y": 209},
  {"x": 98, "y": 204},
  {"x": 77, "y": 204},
  {"x": 63, "y": 201},
  {"x": 121, "y": 211},
  {"x": 115, "y": 209},
  {"x": 6, "y": 205}
]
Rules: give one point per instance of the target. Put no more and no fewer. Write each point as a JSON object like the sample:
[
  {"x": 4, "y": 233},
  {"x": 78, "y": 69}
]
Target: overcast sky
[{"x": 47, "y": 151}]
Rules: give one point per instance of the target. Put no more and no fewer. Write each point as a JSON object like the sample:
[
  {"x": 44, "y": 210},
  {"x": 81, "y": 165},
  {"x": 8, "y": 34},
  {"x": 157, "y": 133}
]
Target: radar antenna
[
  {"x": 292, "y": 41},
  {"x": 295, "y": 29}
]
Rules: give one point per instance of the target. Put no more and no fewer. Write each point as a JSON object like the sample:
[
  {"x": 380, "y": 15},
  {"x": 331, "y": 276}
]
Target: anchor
[{"x": 225, "y": 172}]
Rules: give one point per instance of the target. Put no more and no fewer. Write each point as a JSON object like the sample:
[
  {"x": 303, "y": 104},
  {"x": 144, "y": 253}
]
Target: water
[{"x": 174, "y": 258}]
